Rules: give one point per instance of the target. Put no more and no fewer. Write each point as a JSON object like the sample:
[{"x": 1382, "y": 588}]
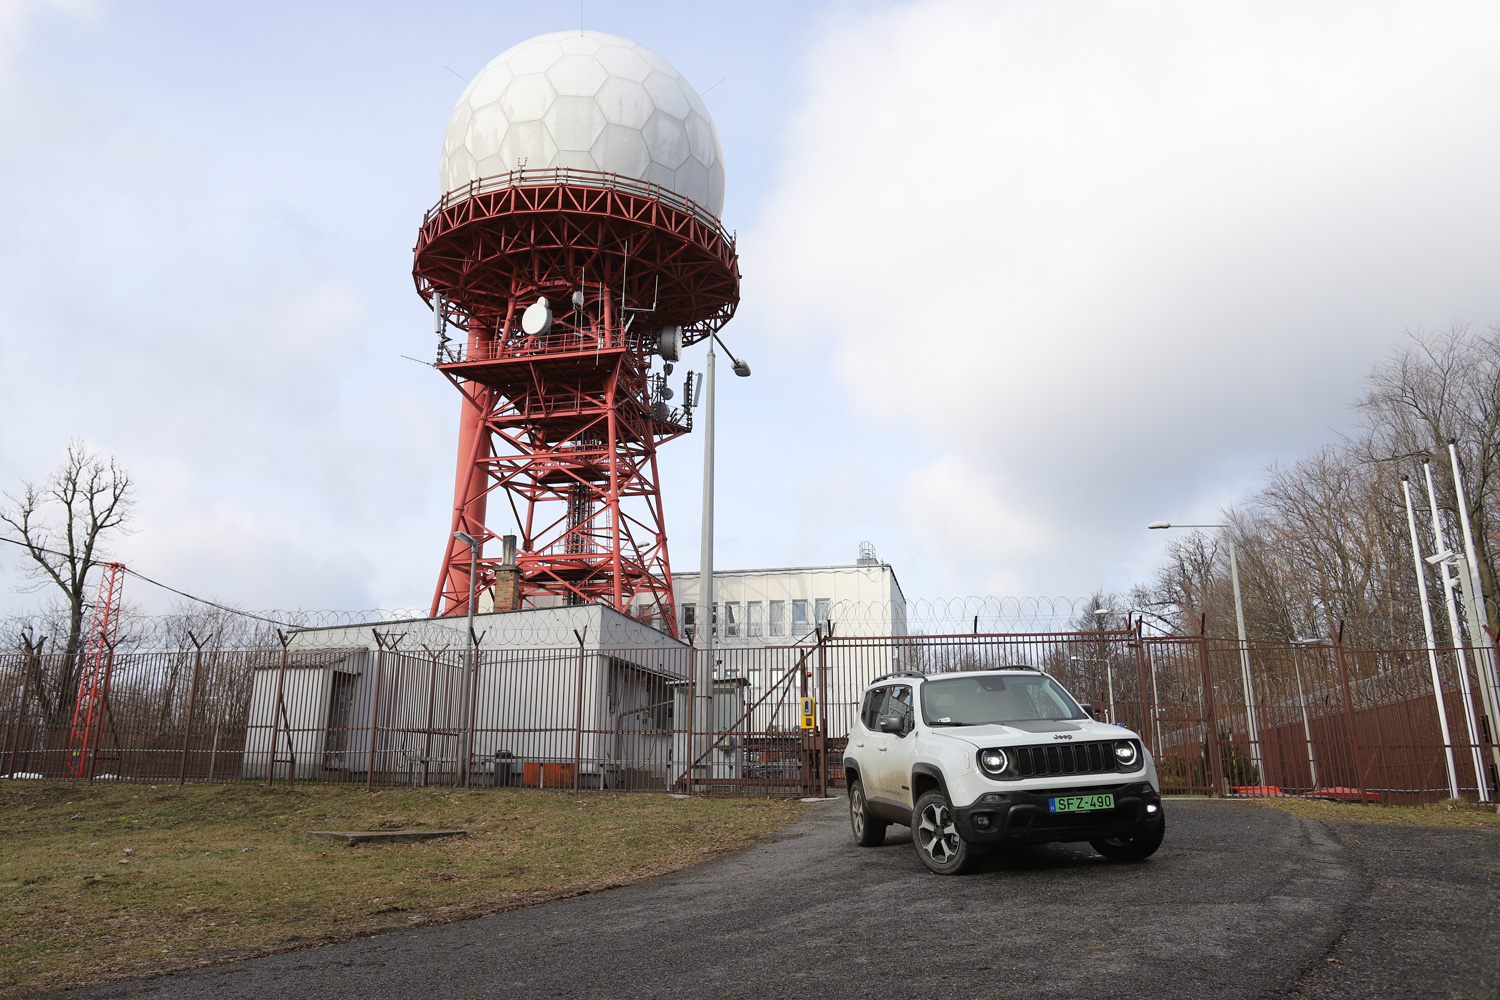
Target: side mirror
[
  {"x": 893, "y": 724},
  {"x": 1089, "y": 710}
]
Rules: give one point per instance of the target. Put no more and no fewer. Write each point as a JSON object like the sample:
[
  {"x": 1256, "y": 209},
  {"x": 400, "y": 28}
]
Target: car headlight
[
  {"x": 994, "y": 762},
  {"x": 1127, "y": 754}
]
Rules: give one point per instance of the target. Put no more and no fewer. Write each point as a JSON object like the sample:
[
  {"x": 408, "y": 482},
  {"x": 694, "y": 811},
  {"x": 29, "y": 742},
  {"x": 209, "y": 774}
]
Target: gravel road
[{"x": 1239, "y": 902}]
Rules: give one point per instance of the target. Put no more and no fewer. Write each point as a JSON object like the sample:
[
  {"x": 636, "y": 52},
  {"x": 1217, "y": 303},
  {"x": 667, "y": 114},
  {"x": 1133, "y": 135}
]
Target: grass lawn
[
  {"x": 109, "y": 880},
  {"x": 1452, "y": 814}
]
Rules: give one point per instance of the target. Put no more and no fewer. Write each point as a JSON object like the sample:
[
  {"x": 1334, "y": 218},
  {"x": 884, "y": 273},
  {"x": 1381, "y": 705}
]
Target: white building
[
  {"x": 571, "y": 695},
  {"x": 777, "y": 607},
  {"x": 560, "y": 695}
]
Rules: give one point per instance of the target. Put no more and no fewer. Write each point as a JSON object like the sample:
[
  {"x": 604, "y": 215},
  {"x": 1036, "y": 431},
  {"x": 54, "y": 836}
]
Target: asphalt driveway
[{"x": 1238, "y": 903}]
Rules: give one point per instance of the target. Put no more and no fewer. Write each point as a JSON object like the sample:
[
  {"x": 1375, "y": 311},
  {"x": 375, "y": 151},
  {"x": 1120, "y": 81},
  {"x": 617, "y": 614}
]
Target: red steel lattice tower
[
  {"x": 577, "y": 243},
  {"x": 93, "y": 679}
]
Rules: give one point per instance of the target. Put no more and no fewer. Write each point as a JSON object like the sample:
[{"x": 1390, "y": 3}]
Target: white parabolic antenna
[
  {"x": 590, "y": 101},
  {"x": 537, "y": 319}
]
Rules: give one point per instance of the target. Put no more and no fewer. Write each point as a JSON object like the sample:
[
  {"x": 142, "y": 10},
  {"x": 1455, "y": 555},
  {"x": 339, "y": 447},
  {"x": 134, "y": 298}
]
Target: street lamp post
[
  {"x": 1239, "y": 617},
  {"x": 704, "y": 682},
  {"x": 468, "y": 680}
]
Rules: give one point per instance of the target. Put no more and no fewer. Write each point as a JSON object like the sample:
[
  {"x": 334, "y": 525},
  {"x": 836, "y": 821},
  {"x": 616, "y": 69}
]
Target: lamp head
[
  {"x": 1159, "y": 524},
  {"x": 466, "y": 538},
  {"x": 741, "y": 369}
]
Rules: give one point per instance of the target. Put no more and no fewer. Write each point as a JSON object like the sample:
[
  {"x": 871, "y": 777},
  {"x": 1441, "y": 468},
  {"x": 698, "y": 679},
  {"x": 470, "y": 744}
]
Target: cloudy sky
[{"x": 1019, "y": 278}]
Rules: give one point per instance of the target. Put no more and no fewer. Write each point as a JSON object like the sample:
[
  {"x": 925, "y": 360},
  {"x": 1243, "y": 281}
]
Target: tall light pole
[
  {"x": 468, "y": 681},
  {"x": 1437, "y": 684},
  {"x": 1473, "y": 590},
  {"x": 1455, "y": 635},
  {"x": 704, "y": 683},
  {"x": 1239, "y": 617}
]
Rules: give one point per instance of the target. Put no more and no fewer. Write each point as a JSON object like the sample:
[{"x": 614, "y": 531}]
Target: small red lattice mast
[
  {"x": 588, "y": 250},
  {"x": 93, "y": 678}
]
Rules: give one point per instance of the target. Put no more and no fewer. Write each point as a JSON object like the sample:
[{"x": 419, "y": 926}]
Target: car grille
[{"x": 1065, "y": 758}]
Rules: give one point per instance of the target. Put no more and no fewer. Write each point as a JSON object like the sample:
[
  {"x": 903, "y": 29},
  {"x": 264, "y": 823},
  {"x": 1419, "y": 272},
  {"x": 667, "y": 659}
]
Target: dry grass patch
[
  {"x": 1454, "y": 813},
  {"x": 103, "y": 881}
]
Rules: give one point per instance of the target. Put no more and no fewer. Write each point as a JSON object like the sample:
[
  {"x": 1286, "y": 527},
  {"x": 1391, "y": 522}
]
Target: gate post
[
  {"x": 1359, "y": 774},
  {"x": 187, "y": 733},
  {"x": 279, "y": 713},
  {"x": 805, "y": 771},
  {"x": 822, "y": 730},
  {"x": 578, "y": 718},
  {"x": 374, "y": 710},
  {"x": 1148, "y": 709},
  {"x": 1214, "y": 759},
  {"x": 31, "y": 662}
]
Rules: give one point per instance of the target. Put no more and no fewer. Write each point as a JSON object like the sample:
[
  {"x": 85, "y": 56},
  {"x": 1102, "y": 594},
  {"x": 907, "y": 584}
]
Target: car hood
[{"x": 1020, "y": 733}]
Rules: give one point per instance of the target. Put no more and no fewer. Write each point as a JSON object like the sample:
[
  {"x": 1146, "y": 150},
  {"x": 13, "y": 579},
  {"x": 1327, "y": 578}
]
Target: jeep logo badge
[{"x": 1061, "y": 736}]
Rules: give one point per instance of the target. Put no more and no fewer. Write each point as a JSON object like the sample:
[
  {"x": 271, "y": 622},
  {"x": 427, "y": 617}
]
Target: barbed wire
[{"x": 316, "y": 627}]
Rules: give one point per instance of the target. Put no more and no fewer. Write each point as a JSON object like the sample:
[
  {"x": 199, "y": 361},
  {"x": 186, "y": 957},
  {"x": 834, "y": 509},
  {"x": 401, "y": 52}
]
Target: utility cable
[{"x": 155, "y": 583}]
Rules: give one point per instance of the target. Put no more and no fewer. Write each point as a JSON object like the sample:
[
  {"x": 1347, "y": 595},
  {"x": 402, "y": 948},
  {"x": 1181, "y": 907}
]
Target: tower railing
[
  {"x": 581, "y": 178},
  {"x": 563, "y": 341}
]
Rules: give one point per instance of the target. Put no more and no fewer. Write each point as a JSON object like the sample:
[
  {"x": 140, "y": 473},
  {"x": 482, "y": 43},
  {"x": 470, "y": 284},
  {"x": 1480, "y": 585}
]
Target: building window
[
  {"x": 820, "y": 612},
  {"x": 754, "y": 625},
  {"x": 800, "y": 624},
  {"x": 731, "y": 618},
  {"x": 689, "y": 616},
  {"x": 778, "y": 618}
]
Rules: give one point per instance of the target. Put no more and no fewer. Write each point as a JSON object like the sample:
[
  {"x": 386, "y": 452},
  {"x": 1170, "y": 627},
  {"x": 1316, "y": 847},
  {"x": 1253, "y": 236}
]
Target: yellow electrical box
[{"x": 809, "y": 714}]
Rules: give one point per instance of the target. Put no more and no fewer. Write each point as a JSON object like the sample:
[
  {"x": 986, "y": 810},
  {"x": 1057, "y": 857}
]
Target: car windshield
[{"x": 997, "y": 698}]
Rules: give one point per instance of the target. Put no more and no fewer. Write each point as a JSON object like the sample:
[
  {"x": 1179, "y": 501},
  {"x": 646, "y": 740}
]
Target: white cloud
[
  {"x": 1105, "y": 261},
  {"x": 18, "y": 19}
]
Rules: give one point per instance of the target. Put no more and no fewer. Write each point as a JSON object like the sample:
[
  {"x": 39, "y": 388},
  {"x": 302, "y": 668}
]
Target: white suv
[{"x": 988, "y": 757}]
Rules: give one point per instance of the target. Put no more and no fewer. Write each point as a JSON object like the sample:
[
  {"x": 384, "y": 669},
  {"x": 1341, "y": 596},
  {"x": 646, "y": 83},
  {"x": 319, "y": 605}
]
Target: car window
[
  {"x": 869, "y": 713},
  {"x": 900, "y": 703},
  {"x": 976, "y": 701}
]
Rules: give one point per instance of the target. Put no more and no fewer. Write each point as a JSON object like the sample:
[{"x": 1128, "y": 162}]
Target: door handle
[
  {"x": 859, "y": 744},
  {"x": 881, "y": 749}
]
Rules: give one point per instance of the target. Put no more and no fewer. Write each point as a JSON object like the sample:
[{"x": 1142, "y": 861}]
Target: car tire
[
  {"x": 1137, "y": 847},
  {"x": 868, "y": 831},
  {"x": 936, "y": 836}
]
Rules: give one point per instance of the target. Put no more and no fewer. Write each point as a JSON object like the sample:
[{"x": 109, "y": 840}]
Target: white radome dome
[{"x": 587, "y": 100}]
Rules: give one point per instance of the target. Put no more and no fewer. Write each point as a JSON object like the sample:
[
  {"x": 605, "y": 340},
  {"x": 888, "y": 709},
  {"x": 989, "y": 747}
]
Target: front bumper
[{"x": 1022, "y": 817}]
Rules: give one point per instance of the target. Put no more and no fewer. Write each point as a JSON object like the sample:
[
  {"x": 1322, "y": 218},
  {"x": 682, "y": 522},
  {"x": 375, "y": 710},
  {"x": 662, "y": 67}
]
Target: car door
[
  {"x": 871, "y": 746},
  {"x": 896, "y": 757}
]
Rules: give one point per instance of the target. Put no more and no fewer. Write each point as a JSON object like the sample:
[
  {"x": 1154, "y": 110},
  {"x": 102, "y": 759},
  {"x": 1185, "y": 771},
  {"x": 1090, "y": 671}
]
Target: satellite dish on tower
[
  {"x": 537, "y": 319},
  {"x": 669, "y": 343}
]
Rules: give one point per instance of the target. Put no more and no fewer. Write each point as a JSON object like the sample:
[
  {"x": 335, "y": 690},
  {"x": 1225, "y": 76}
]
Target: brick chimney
[{"x": 508, "y": 579}]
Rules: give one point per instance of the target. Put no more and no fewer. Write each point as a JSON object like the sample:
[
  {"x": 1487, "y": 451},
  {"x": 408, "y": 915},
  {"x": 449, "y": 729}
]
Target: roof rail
[
  {"x": 897, "y": 673},
  {"x": 1019, "y": 666}
]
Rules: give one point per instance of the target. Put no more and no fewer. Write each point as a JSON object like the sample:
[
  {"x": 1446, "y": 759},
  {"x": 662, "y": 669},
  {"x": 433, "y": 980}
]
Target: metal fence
[{"x": 1319, "y": 719}]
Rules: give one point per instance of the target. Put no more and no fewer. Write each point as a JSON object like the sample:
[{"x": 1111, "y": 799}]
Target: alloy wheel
[{"x": 937, "y": 834}]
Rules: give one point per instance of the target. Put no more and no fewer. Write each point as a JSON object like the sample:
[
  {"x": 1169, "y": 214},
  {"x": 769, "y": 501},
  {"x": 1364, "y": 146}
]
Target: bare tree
[
  {"x": 1323, "y": 545},
  {"x": 1186, "y": 587},
  {"x": 63, "y": 524},
  {"x": 1440, "y": 387}
]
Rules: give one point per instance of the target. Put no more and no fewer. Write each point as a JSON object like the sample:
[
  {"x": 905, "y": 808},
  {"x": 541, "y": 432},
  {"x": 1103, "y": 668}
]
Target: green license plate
[{"x": 1080, "y": 803}]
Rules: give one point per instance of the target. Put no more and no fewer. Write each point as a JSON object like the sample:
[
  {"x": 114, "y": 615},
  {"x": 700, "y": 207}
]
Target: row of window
[{"x": 757, "y": 619}]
